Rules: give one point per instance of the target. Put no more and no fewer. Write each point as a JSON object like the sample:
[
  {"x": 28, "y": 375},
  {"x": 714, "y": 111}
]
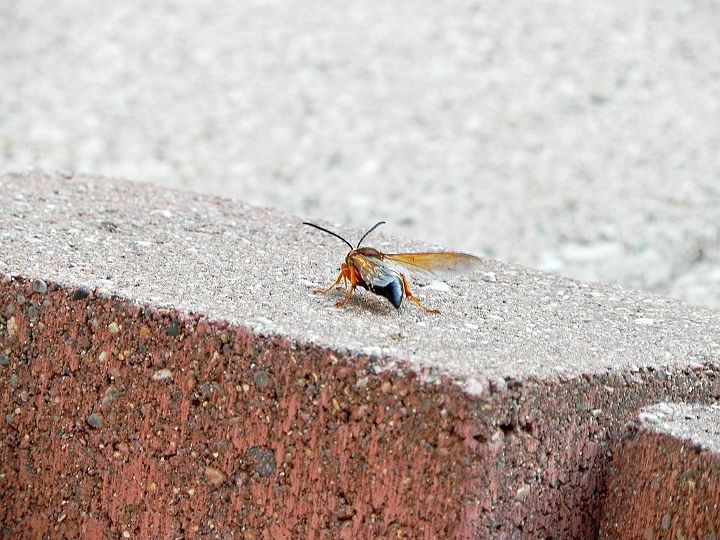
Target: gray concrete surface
[
  {"x": 577, "y": 137},
  {"x": 698, "y": 425},
  {"x": 260, "y": 268},
  {"x": 663, "y": 482}
]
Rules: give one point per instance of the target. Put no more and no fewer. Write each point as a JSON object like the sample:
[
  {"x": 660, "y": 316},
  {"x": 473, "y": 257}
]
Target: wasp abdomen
[{"x": 393, "y": 291}]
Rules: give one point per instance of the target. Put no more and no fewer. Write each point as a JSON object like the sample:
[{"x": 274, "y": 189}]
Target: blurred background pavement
[{"x": 578, "y": 137}]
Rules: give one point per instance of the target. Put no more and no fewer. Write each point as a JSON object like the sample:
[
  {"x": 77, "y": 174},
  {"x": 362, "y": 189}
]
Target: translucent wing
[
  {"x": 443, "y": 262},
  {"x": 374, "y": 270}
]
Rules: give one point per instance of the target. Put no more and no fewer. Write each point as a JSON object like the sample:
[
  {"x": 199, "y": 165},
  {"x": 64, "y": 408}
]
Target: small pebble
[
  {"x": 39, "y": 286},
  {"x": 11, "y": 327},
  {"x": 438, "y": 286},
  {"x": 4, "y": 359},
  {"x": 261, "y": 378},
  {"x": 94, "y": 420},
  {"x": 114, "y": 328},
  {"x": 476, "y": 387},
  {"x": 111, "y": 394},
  {"x": 215, "y": 476},
  {"x": 161, "y": 374},
  {"x": 497, "y": 384},
  {"x": 173, "y": 330},
  {"x": 522, "y": 492},
  {"x": 80, "y": 293}
]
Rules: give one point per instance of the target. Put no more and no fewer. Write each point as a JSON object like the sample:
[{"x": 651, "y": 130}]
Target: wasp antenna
[
  {"x": 371, "y": 230},
  {"x": 329, "y": 232}
]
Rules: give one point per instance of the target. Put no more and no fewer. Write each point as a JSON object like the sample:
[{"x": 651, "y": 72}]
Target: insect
[{"x": 384, "y": 273}]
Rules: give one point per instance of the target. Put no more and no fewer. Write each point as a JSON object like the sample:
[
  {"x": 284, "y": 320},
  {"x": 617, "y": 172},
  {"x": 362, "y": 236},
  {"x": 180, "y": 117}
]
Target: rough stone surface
[
  {"x": 234, "y": 402},
  {"x": 665, "y": 477},
  {"x": 577, "y": 137},
  {"x": 259, "y": 268}
]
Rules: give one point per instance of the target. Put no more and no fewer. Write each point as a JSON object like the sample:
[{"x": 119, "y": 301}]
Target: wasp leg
[
  {"x": 410, "y": 296},
  {"x": 348, "y": 296},
  {"x": 341, "y": 276},
  {"x": 351, "y": 278}
]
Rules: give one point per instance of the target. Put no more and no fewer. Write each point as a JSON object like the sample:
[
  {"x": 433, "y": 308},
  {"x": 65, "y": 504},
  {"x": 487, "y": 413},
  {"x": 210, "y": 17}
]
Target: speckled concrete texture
[
  {"x": 123, "y": 421},
  {"x": 169, "y": 372},
  {"x": 577, "y": 137},
  {"x": 259, "y": 268},
  {"x": 665, "y": 477}
]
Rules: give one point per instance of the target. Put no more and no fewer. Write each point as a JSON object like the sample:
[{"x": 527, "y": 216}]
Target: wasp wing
[
  {"x": 379, "y": 275},
  {"x": 375, "y": 271},
  {"x": 442, "y": 262}
]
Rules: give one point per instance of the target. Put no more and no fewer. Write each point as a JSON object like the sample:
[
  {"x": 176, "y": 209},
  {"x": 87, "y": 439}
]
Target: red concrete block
[
  {"x": 665, "y": 476},
  {"x": 168, "y": 372}
]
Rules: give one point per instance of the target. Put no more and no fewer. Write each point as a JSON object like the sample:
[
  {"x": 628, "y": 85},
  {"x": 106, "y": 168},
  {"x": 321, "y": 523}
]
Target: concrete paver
[
  {"x": 259, "y": 268},
  {"x": 664, "y": 481},
  {"x": 165, "y": 357}
]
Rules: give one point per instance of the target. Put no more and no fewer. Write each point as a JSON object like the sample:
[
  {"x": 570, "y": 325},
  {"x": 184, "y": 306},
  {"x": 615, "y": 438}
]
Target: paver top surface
[
  {"x": 259, "y": 268},
  {"x": 697, "y": 423}
]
